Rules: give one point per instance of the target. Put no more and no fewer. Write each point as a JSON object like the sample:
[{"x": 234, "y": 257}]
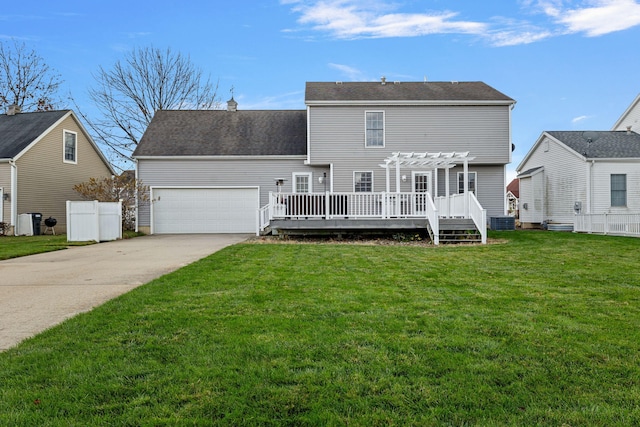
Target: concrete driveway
[{"x": 40, "y": 291}]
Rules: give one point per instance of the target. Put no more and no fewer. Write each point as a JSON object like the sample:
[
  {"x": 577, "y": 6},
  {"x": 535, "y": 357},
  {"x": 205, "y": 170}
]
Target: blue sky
[{"x": 569, "y": 64}]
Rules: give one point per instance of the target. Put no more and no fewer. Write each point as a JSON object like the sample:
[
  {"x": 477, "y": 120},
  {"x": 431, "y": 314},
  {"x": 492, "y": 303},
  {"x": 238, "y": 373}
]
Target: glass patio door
[{"x": 421, "y": 186}]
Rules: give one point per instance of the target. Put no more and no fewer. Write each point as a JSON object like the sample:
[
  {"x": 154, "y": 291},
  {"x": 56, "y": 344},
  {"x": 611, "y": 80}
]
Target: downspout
[
  {"x": 590, "y": 186},
  {"x": 135, "y": 162},
  {"x": 14, "y": 196}
]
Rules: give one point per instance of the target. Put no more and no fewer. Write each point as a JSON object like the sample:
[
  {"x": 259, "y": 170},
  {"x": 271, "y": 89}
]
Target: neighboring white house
[
  {"x": 630, "y": 119},
  {"x": 573, "y": 172},
  {"x": 210, "y": 171}
]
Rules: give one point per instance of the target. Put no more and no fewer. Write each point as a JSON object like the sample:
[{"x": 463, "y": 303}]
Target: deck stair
[{"x": 458, "y": 230}]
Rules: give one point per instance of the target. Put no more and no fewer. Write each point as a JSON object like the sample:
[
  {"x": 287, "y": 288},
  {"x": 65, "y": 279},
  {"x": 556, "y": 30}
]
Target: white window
[
  {"x": 302, "y": 183},
  {"x": 472, "y": 182},
  {"x": 363, "y": 182},
  {"x": 374, "y": 128},
  {"x": 70, "y": 147},
  {"x": 618, "y": 190}
]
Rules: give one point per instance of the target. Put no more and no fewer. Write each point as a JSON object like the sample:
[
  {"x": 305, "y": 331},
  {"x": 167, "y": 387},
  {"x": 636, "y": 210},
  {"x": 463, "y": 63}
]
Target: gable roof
[
  {"x": 225, "y": 133},
  {"x": 530, "y": 172},
  {"x": 603, "y": 144},
  {"x": 404, "y": 92},
  {"x": 620, "y": 123},
  {"x": 20, "y": 130}
]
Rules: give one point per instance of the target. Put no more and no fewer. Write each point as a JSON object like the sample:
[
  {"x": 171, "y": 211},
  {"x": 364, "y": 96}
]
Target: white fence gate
[{"x": 97, "y": 221}]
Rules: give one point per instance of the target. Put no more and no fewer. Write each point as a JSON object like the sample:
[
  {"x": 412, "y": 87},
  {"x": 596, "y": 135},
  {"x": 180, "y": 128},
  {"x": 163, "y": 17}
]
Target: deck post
[
  {"x": 326, "y": 205},
  {"x": 448, "y": 194},
  {"x": 388, "y": 183},
  {"x": 435, "y": 182},
  {"x": 397, "y": 177},
  {"x": 466, "y": 188}
]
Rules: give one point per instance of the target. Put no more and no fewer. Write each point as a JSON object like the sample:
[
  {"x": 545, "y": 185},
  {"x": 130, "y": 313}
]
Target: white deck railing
[
  {"x": 478, "y": 215},
  {"x": 622, "y": 224},
  {"x": 375, "y": 206},
  {"x": 350, "y": 205}
]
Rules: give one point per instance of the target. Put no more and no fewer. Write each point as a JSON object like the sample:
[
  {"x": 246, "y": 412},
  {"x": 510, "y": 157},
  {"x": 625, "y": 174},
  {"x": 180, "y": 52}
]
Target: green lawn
[
  {"x": 18, "y": 246},
  {"x": 542, "y": 329}
]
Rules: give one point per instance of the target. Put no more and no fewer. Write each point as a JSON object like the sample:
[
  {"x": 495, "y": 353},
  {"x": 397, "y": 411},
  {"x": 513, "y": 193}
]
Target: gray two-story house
[{"x": 360, "y": 151}]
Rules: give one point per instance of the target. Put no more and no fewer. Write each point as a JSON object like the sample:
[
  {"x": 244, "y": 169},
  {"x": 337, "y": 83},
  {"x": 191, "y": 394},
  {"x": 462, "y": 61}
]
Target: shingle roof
[
  {"x": 603, "y": 145},
  {"x": 403, "y": 91},
  {"x": 225, "y": 133},
  {"x": 20, "y": 130}
]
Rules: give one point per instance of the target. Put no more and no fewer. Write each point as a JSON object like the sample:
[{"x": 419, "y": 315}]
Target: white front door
[{"x": 421, "y": 186}]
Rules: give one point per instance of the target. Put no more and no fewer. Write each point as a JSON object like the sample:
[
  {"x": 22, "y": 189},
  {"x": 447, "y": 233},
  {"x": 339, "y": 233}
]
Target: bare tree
[
  {"x": 147, "y": 80},
  {"x": 25, "y": 79},
  {"x": 112, "y": 189}
]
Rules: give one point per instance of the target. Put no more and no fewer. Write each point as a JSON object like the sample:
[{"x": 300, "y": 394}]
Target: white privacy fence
[
  {"x": 94, "y": 221},
  {"x": 622, "y": 224}
]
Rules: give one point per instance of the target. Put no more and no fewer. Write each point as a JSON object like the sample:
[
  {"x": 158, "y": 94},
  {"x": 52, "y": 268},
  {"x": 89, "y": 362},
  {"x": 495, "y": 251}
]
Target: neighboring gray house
[
  {"x": 42, "y": 156},
  {"x": 573, "y": 172},
  {"x": 210, "y": 171}
]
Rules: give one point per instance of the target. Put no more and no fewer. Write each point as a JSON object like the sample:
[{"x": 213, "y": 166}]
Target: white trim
[
  {"x": 384, "y": 128},
  {"x": 308, "y": 156},
  {"x": 626, "y": 113},
  {"x": 64, "y": 147},
  {"x": 309, "y": 176},
  {"x": 429, "y": 176},
  {"x": 372, "y": 181},
  {"x": 2, "y": 204},
  {"x": 399, "y": 102},
  {"x": 14, "y": 196},
  {"x": 475, "y": 182}
]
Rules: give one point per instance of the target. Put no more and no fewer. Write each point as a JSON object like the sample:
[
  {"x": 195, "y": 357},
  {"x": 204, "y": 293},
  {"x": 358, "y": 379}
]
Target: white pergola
[{"x": 427, "y": 161}]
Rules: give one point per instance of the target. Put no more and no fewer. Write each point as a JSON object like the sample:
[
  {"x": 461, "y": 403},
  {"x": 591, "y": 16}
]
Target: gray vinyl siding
[
  {"x": 338, "y": 133},
  {"x": 564, "y": 180},
  {"x": 227, "y": 172},
  {"x": 337, "y": 137}
]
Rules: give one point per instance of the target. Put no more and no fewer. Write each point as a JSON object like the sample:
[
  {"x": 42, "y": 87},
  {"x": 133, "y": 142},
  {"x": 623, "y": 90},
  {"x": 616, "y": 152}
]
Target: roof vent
[
  {"x": 338, "y": 82},
  {"x": 454, "y": 82},
  {"x": 13, "y": 109},
  {"x": 383, "y": 79},
  {"x": 396, "y": 82},
  {"x": 628, "y": 130}
]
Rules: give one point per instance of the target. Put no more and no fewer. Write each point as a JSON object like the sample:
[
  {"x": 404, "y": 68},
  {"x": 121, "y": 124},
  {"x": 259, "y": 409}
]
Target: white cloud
[
  {"x": 352, "y": 74},
  {"x": 356, "y": 19},
  {"x": 579, "y": 119},
  {"x": 349, "y": 19},
  {"x": 606, "y": 16}
]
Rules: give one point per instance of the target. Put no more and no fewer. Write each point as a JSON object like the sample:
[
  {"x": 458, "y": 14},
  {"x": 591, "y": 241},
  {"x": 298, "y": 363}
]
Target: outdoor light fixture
[
  {"x": 5, "y": 197},
  {"x": 404, "y": 178}
]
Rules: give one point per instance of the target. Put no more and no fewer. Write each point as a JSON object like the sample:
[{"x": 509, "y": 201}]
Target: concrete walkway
[{"x": 40, "y": 291}]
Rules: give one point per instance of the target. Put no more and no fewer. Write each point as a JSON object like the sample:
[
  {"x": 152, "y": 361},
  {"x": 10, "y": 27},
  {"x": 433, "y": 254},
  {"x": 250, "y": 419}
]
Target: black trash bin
[{"x": 36, "y": 220}]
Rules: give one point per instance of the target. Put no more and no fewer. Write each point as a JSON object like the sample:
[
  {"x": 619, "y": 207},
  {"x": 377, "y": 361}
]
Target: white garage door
[{"x": 204, "y": 210}]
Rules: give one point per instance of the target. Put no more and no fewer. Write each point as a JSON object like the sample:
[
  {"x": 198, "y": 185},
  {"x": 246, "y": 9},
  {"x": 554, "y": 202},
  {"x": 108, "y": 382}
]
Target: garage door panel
[{"x": 205, "y": 210}]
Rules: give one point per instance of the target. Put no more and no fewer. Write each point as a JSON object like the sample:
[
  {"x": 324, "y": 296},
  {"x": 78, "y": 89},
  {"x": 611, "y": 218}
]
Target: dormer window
[
  {"x": 70, "y": 147},
  {"x": 374, "y": 129}
]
